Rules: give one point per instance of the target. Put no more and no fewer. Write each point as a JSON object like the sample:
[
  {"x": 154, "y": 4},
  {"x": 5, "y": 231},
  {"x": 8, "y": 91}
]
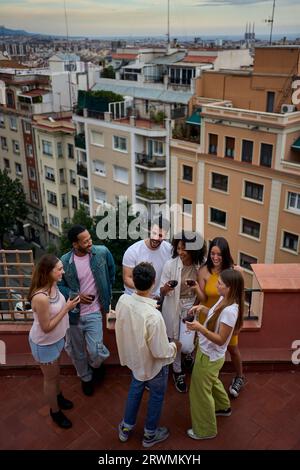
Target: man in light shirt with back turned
[{"x": 144, "y": 348}]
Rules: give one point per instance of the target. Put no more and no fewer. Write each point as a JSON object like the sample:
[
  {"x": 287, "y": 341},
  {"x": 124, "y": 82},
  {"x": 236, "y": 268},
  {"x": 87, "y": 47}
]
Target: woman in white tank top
[{"x": 46, "y": 337}]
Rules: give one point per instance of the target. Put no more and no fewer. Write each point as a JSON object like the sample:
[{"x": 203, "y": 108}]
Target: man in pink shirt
[{"x": 89, "y": 272}]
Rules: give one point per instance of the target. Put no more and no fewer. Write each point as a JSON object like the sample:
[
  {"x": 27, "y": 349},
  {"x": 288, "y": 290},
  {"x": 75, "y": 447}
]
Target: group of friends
[{"x": 181, "y": 307}]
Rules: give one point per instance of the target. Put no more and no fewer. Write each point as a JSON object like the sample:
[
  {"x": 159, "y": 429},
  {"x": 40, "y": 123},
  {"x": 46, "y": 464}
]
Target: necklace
[{"x": 54, "y": 299}]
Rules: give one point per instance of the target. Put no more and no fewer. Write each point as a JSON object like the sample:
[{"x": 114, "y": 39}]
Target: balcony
[
  {"x": 150, "y": 194},
  {"x": 150, "y": 162},
  {"x": 82, "y": 169},
  {"x": 84, "y": 196},
  {"x": 80, "y": 141}
]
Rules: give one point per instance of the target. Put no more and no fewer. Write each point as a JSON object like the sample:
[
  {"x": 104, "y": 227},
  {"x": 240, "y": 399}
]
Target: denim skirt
[{"x": 46, "y": 354}]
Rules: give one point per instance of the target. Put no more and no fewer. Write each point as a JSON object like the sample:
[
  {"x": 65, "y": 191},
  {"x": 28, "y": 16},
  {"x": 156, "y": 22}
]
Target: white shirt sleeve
[
  {"x": 157, "y": 340},
  {"x": 166, "y": 274},
  {"x": 129, "y": 258},
  {"x": 229, "y": 315}
]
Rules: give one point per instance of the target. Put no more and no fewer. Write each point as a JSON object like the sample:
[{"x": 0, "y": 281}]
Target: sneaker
[
  {"x": 226, "y": 412},
  {"x": 124, "y": 432},
  {"x": 98, "y": 373},
  {"x": 236, "y": 385},
  {"x": 179, "y": 380},
  {"x": 188, "y": 362},
  {"x": 191, "y": 434},
  {"x": 160, "y": 435}
]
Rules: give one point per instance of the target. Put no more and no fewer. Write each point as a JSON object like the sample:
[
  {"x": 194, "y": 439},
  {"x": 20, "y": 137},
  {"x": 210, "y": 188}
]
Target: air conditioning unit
[
  {"x": 24, "y": 88},
  {"x": 287, "y": 108}
]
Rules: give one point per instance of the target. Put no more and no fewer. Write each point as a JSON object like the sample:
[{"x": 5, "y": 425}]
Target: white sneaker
[{"x": 191, "y": 434}]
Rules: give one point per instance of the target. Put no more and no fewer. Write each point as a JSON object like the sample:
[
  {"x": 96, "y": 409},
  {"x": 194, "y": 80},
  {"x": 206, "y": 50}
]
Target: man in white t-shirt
[{"x": 155, "y": 250}]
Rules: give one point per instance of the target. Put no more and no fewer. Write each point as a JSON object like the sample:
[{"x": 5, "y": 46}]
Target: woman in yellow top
[{"x": 218, "y": 259}]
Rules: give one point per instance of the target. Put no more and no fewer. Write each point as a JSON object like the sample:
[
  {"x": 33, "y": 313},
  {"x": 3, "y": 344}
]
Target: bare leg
[
  {"x": 51, "y": 384},
  {"x": 236, "y": 360}
]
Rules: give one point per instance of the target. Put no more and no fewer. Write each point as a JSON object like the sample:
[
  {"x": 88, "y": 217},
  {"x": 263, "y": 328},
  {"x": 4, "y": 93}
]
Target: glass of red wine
[
  {"x": 190, "y": 282},
  {"x": 173, "y": 283},
  {"x": 189, "y": 317}
]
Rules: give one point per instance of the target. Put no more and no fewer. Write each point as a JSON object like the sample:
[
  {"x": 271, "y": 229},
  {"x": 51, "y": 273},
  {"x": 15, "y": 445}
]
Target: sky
[{"x": 149, "y": 17}]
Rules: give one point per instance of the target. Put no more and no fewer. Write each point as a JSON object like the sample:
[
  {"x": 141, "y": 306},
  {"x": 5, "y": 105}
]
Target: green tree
[
  {"x": 12, "y": 203},
  {"x": 108, "y": 72}
]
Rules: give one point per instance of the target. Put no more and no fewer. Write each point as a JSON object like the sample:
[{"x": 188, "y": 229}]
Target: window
[
  {"x": 187, "y": 173},
  {"x": 61, "y": 175},
  {"x": 155, "y": 147},
  {"x": 270, "y": 101},
  {"x": 187, "y": 207},
  {"x": 34, "y": 196},
  {"x": 6, "y": 164},
  {"x": 47, "y": 148},
  {"x": 251, "y": 228},
  {"x": 219, "y": 182},
  {"x": 49, "y": 174},
  {"x": 247, "y": 151},
  {"x": 99, "y": 167},
  {"x": 99, "y": 195},
  {"x": 54, "y": 221},
  {"x": 229, "y": 147},
  {"x": 218, "y": 217},
  {"x": 293, "y": 202},
  {"x": 64, "y": 200},
  {"x": 27, "y": 127},
  {"x": 70, "y": 151},
  {"x": 4, "y": 143},
  {"x": 246, "y": 261},
  {"x": 120, "y": 143},
  {"x": 213, "y": 144},
  {"x": 18, "y": 167},
  {"x": 266, "y": 151},
  {"x": 254, "y": 191},
  {"x": 97, "y": 138},
  {"x": 72, "y": 177},
  {"x": 121, "y": 174},
  {"x": 2, "y": 122},
  {"x": 13, "y": 123},
  {"x": 290, "y": 241},
  {"x": 74, "y": 202},
  {"x": 31, "y": 173},
  {"x": 29, "y": 150},
  {"x": 59, "y": 150},
  {"x": 16, "y": 146},
  {"x": 51, "y": 198}
]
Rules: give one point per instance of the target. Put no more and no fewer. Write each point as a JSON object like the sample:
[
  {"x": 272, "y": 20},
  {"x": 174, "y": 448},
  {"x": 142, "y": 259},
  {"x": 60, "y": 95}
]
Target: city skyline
[{"x": 113, "y": 18}]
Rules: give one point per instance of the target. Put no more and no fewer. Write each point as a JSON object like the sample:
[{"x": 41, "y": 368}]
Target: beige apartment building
[
  {"x": 56, "y": 158},
  {"x": 246, "y": 168}
]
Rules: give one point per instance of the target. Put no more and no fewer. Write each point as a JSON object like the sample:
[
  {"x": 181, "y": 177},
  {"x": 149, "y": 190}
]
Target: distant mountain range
[{"x": 12, "y": 32}]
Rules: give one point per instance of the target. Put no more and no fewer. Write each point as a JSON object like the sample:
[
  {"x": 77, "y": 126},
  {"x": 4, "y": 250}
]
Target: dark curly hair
[{"x": 195, "y": 245}]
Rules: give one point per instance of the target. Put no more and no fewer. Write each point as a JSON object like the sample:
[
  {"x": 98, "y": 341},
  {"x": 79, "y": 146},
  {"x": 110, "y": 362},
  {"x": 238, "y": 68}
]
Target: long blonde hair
[
  {"x": 235, "y": 281},
  {"x": 41, "y": 275}
]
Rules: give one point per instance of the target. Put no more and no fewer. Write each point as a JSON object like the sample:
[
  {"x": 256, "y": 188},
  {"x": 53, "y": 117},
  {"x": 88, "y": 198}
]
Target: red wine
[
  {"x": 189, "y": 317},
  {"x": 173, "y": 283},
  {"x": 191, "y": 282}
]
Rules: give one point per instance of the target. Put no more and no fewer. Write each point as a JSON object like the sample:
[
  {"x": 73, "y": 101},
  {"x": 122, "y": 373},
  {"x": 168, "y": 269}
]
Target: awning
[
  {"x": 296, "y": 144},
  {"x": 194, "y": 119}
]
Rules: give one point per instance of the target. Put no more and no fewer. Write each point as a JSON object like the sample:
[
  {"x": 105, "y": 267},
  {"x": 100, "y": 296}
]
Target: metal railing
[{"x": 249, "y": 303}]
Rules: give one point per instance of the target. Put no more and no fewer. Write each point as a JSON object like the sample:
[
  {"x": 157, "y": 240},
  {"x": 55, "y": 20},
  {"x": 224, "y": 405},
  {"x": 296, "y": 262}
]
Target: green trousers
[{"x": 207, "y": 394}]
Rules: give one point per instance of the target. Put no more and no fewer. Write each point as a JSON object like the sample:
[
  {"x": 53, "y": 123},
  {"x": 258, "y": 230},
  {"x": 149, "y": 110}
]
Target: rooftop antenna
[{"x": 271, "y": 21}]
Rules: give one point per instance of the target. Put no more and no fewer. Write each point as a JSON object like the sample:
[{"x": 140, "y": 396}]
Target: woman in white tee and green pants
[{"x": 208, "y": 397}]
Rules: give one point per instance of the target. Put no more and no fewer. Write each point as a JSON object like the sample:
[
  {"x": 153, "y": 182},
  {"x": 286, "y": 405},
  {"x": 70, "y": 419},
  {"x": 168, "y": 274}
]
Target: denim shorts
[{"x": 46, "y": 354}]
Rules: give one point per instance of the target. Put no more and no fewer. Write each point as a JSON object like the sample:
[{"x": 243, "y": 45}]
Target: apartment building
[
  {"x": 245, "y": 167},
  {"x": 57, "y": 168},
  {"x": 125, "y": 147}
]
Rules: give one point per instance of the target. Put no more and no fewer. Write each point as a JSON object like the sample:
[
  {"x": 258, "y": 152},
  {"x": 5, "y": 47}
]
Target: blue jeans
[
  {"x": 157, "y": 388},
  {"x": 84, "y": 344}
]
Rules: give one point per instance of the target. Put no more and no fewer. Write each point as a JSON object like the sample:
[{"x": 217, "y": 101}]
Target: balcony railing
[
  {"x": 80, "y": 141},
  {"x": 152, "y": 194},
  {"x": 82, "y": 169},
  {"x": 249, "y": 297},
  {"x": 150, "y": 161}
]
